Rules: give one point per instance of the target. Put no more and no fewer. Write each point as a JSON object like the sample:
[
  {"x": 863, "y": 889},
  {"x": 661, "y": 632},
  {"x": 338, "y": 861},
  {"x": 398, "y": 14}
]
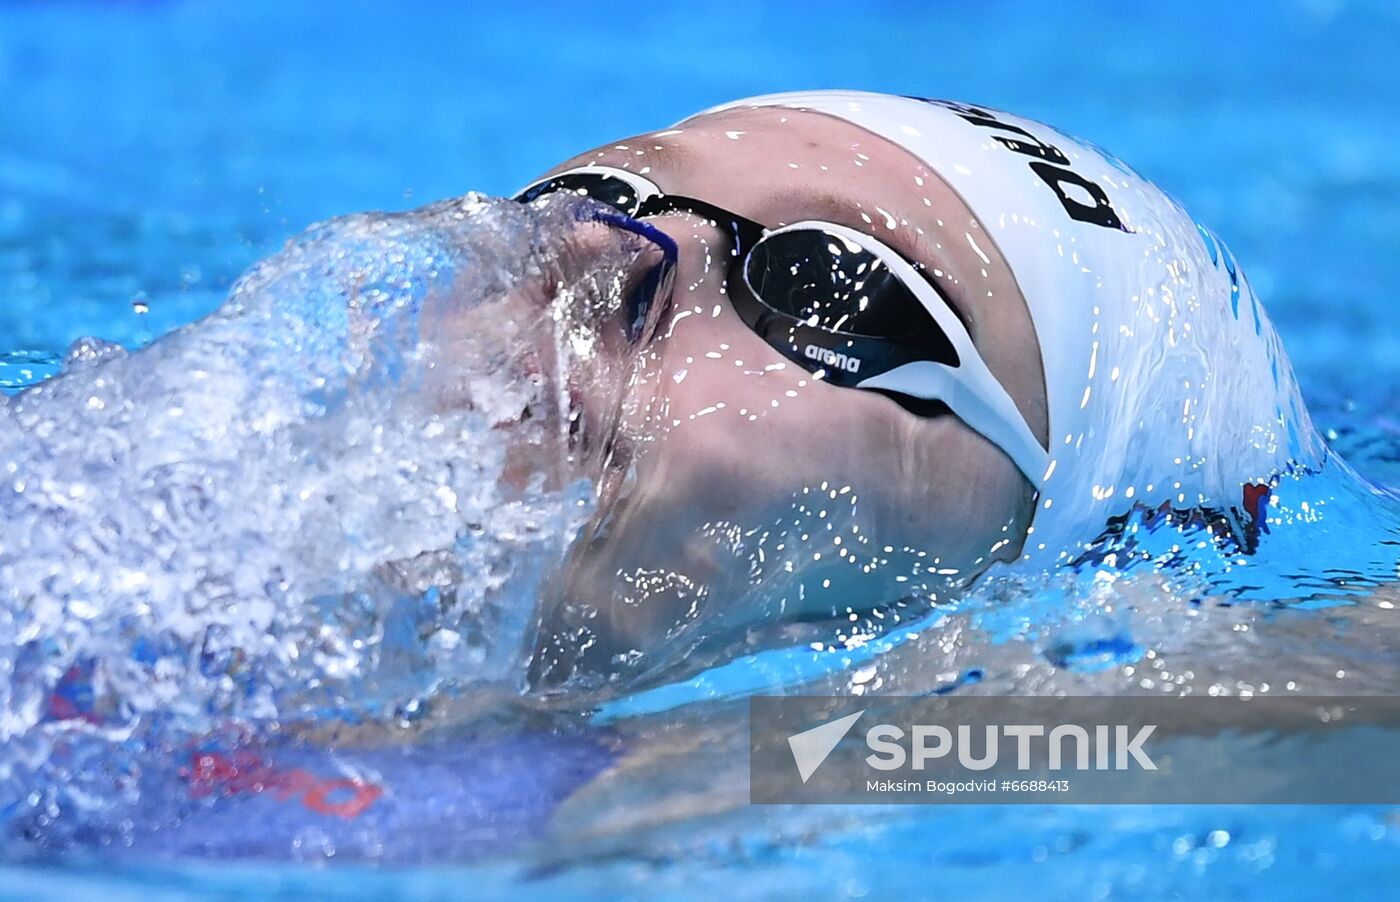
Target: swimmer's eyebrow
[
  {"x": 672, "y": 155},
  {"x": 657, "y": 153},
  {"x": 814, "y": 204}
]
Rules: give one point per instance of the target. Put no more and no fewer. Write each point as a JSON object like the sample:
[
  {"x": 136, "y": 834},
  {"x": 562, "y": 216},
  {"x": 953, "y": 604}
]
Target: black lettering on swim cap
[
  {"x": 1030, "y": 145},
  {"x": 1026, "y": 143},
  {"x": 1100, "y": 214}
]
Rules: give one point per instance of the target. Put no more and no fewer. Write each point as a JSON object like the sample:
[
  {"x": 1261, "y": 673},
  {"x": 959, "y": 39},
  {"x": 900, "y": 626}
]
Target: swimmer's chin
[
  {"x": 629, "y": 611},
  {"x": 683, "y": 627}
]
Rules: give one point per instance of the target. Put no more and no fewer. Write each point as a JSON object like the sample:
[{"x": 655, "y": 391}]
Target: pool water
[{"x": 150, "y": 152}]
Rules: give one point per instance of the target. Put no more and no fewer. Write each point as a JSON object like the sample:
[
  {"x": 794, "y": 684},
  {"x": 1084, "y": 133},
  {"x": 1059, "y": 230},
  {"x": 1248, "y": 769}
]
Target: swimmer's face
[{"x": 742, "y": 465}]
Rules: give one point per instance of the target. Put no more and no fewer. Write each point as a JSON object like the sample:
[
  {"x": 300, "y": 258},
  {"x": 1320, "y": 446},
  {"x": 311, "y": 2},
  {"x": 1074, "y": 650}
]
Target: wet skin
[{"x": 741, "y": 490}]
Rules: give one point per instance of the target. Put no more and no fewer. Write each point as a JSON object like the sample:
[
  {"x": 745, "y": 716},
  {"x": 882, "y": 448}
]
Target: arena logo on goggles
[
  {"x": 832, "y": 358},
  {"x": 1050, "y": 164}
]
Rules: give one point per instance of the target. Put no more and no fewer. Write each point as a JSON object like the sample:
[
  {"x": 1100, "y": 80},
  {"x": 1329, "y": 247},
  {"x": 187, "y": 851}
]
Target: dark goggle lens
[
  {"x": 830, "y": 283},
  {"x": 604, "y": 188}
]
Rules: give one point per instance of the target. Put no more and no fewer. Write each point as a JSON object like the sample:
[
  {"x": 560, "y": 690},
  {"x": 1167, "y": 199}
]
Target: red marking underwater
[
  {"x": 1256, "y": 502},
  {"x": 244, "y": 772}
]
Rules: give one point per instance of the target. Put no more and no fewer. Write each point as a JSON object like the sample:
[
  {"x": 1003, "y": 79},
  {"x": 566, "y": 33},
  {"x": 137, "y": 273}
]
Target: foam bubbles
[{"x": 334, "y": 496}]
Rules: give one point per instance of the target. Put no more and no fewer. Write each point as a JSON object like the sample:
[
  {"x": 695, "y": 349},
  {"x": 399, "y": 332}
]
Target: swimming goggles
[{"x": 842, "y": 305}]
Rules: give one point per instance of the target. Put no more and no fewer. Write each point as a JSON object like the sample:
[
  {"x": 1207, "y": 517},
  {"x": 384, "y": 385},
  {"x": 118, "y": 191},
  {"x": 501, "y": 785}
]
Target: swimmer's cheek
[{"x": 630, "y": 600}]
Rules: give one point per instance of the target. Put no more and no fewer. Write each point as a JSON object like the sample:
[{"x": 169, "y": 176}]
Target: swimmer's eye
[{"x": 624, "y": 192}]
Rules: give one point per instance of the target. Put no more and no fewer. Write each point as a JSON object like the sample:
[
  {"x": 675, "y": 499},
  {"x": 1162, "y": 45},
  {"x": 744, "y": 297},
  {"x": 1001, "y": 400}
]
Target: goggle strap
[
  {"x": 978, "y": 399},
  {"x": 970, "y": 390}
]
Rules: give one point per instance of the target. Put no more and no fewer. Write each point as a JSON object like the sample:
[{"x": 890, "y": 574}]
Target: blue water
[{"x": 149, "y": 152}]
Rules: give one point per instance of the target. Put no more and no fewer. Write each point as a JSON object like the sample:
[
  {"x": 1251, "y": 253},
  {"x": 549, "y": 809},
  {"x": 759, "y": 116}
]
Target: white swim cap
[{"x": 1166, "y": 383}]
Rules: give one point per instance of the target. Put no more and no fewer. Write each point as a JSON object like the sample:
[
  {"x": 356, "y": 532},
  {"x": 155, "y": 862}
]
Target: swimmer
[{"x": 905, "y": 341}]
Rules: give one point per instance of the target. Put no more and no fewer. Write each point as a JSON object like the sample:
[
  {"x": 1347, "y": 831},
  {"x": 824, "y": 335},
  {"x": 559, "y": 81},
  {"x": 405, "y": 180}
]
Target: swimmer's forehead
[
  {"x": 778, "y": 166},
  {"x": 778, "y": 158}
]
